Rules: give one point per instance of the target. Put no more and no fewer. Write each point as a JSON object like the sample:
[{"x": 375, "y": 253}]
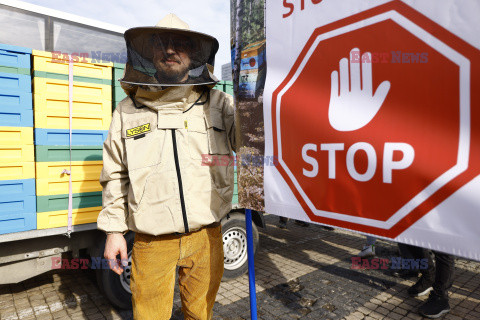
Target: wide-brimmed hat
[{"x": 140, "y": 43}]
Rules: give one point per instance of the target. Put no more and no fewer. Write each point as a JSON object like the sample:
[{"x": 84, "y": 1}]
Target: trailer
[{"x": 35, "y": 237}]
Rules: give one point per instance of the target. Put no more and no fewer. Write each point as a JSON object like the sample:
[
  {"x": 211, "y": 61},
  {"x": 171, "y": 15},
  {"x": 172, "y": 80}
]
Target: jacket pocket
[
  {"x": 143, "y": 143},
  {"x": 197, "y": 137},
  {"x": 220, "y": 163},
  {"x": 157, "y": 191},
  {"x": 216, "y": 133},
  {"x": 152, "y": 213}
]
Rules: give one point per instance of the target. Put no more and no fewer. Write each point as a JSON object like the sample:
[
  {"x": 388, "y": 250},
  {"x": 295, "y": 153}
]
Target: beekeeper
[{"x": 161, "y": 176}]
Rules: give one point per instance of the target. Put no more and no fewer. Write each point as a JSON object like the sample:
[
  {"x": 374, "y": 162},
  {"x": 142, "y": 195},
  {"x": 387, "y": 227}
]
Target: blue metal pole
[{"x": 251, "y": 265}]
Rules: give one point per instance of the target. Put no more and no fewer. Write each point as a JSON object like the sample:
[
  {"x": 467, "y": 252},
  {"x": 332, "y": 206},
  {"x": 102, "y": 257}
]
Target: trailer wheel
[
  {"x": 235, "y": 245},
  {"x": 117, "y": 287}
]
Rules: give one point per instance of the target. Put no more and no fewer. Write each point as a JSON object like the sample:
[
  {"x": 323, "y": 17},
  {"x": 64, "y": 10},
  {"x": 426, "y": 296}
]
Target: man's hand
[{"x": 115, "y": 245}]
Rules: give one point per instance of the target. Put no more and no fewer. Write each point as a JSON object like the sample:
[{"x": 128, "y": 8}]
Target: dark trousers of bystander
[{"x": 440, "y": 273}]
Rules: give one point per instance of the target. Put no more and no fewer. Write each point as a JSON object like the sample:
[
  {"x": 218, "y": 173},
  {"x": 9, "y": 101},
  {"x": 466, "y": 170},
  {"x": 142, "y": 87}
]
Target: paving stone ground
[{"x": 301, "y": 273}]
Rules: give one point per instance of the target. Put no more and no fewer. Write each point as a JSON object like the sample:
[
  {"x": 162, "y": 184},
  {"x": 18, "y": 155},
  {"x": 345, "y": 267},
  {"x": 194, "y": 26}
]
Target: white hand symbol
[{"x": 355, "y": 108}]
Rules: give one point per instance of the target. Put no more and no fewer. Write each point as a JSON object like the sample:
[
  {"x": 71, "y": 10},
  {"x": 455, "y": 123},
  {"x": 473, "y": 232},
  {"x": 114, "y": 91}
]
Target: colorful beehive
[
  {"x": 91, "y": 103},
  {"x": 51, "y": 65},
  {"x": 15, "y": 88},
  {"x": 55, "y": 151},
  {"x": 91, "y": 106},
  {"x": 252, "y": 70},
  {"x": 53, "y": 187},
  {"x": 118, "y": 93},
  {"x": 225, "y": 86},
  {"x": 17, "y": 167},
  {"x": 55, "y": 219},
  {"x": 17, "y": 205},
  {"x": 235, "y": 187},
  {"x": 61, "y": 137},
  {"x": 15, "y": 59}
]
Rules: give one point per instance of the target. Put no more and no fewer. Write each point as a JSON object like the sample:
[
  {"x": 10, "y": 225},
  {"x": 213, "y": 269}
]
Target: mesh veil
[{"x": 159, "y": 57}]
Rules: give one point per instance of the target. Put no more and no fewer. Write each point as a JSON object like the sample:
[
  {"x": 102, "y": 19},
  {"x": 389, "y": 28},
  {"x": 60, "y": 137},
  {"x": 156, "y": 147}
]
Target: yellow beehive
[
  {"x": 55, "y": 219},
  {"x": 16, "y": 136},
  {"x": 91, "y": 107},
  {"x": 16, "y": 153},
  {"x": 54, "y": 63},
  {"x": 51, "y": 181},
  {"x": 84, "y": 121},
  {"x": 54, "y": 106},
  {"x": 16, "y": 171},
  {"x": 46, "y": 88}
]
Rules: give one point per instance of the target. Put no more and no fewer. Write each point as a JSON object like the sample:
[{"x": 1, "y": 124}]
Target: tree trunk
[{"x": 237, "y": 43}]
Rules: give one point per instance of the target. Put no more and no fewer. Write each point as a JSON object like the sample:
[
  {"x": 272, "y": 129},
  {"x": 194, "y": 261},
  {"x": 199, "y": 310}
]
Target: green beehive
[
  {"x": 235, "y": 187},
  {"x": 118, "y": 93},
  {"x": 62, "y": 153},
  {"x": 60, "y": 201},
  {"x": 225, "y": 86}
]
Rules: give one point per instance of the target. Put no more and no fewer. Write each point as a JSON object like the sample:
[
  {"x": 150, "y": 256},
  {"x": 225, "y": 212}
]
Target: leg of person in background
[
  {"x": 407, "y": 252},
  {"x": 282, "y": 223},
  {"x": 425, "y": 283},
  {"x": 369, "y": 248},
  {"x": 302, "y": 223},
  {"x": 437, "y": 303}
]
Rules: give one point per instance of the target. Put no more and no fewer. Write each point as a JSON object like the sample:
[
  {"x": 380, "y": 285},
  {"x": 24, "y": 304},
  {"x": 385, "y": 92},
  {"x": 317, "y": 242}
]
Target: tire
[
  {"x": 235, "y": 245},
  {"x": 116, "y": 288}
]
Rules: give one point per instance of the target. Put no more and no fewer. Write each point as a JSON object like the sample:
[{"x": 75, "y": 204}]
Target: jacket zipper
[{"x": 180, "y": 185}]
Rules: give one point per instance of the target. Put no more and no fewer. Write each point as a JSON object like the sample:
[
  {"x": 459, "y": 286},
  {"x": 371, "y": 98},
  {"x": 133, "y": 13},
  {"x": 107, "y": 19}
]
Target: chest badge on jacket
[{"x": 138, "y": 131}]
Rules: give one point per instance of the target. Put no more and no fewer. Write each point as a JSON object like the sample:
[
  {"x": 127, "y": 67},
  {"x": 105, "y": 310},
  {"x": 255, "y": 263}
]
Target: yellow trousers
[{"x": 199, "y": 256}]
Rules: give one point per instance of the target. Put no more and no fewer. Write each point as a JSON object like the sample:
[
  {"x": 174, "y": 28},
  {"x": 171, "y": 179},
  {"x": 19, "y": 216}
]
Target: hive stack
[
  {"x": 118, "y": 93},
  {"x": 225, "y": 86},
  {"x": 91, "y": 116},
  {"x": 235, "y": 187},
  {"x": 17, "y": 168}
]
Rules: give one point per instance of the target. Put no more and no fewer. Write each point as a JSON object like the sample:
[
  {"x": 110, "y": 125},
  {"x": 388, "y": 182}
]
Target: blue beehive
[
  {"x": 15, "y": 59},
  {"x": 60, "y": 137},
  {"x": 15, "y": 118},
  {"x": 17, "y": 205},
  {"x": 17, "y": 197},
  {"x": 15, "y": 87},
  {"x": 15, "y": 81}
]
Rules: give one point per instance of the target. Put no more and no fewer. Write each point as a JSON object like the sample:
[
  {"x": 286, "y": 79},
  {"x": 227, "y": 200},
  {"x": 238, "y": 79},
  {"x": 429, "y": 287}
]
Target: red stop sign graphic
[{"x": 376, "y": 120}]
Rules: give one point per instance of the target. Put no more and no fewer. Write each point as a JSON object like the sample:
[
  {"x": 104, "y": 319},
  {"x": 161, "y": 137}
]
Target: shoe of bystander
[
  {"x": 421, "y": 288},
  {"x": 435, "y": 306},
  {"x": 367, "y": 252}
]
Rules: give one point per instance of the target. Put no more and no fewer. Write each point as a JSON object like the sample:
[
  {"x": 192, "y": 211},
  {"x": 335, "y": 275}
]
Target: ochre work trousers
[{"x": 199, "y": 256}]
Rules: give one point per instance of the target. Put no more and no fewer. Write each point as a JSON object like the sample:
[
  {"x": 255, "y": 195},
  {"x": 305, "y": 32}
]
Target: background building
[{"x": 227, "y": 72}]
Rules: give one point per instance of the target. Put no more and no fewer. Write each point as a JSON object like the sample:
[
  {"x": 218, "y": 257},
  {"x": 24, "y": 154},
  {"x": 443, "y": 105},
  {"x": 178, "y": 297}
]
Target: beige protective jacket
[{"x": 168, "y": 162}]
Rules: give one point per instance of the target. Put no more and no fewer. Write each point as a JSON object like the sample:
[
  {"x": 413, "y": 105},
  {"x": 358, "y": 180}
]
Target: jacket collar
[{"x": 169, "y": 100}]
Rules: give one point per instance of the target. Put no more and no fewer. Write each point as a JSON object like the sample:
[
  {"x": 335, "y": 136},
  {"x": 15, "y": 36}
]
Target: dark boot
[
  {"x": 302, "y": 223},
  {"x": 405, "y": 273},
  {"x": 423, "y": 286},
  {"x": 435, "y": 306},
  {"x": 282, "y": 223}
]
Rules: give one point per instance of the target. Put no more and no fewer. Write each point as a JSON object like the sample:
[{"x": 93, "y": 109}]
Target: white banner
[{"x": 372, "y": 109}]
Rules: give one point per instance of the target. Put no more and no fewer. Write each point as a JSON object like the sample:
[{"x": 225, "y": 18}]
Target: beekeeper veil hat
[{"x": 168, "y": 54}]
